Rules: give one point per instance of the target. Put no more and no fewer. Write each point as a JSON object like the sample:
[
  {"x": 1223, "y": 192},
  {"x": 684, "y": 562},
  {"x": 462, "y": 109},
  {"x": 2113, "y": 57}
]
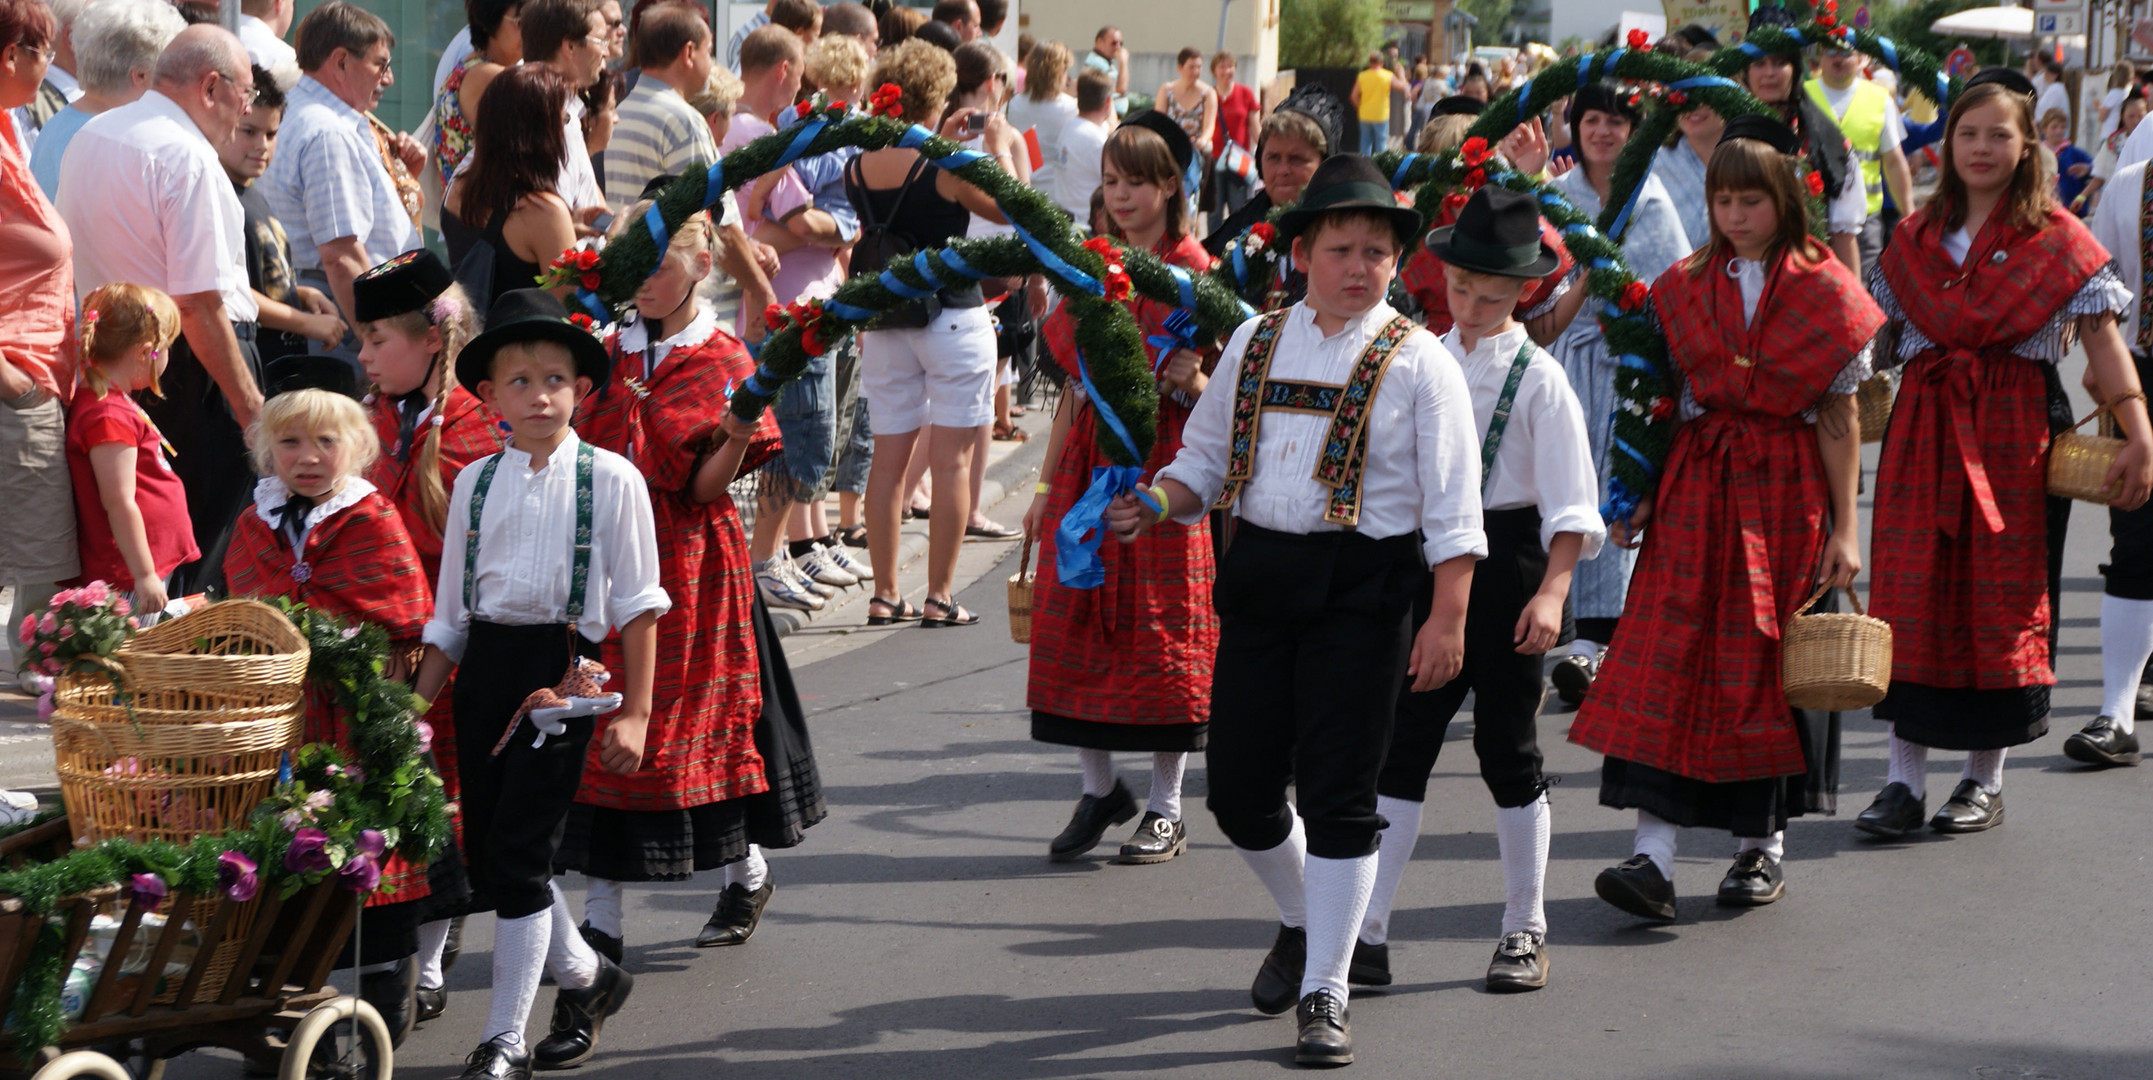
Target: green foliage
[
  {"x": 1330, "y": 33},
  {"x": 1498, "y": 19}
]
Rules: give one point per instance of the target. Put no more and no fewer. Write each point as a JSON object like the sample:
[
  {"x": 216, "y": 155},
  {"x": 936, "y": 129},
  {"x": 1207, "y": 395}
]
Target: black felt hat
[
  {"x": 1460, "y": 105},
  {"x": 1348, "y": 182},
  {"x": 1600, "y": 97},
  {"x": 1323, "y": 107},
  {"x": 1764, "y": 129},
  {"x": 522, "y": 315},
  {"x": 1769, "y": 14},
  {"x": 1497, "y": 232},
  {"x": 2009, "y": 78},
  {"x": 1177, "y": 140},
  {"x": 288, "y": 373},
  {"x": 1698, "y": 37},
  {"x": 405, "y": 283}
]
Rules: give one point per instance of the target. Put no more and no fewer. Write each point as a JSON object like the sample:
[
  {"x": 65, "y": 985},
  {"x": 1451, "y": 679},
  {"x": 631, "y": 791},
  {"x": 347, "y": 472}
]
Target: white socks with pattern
[
  {"x": 1280, "y": 868},
  {"x": 1656, "y": 838},
  {"x": 601, "y": 906},
  {"x": 2126, "y": 642},
  {"x": 750, "y": 872},
  {"x": 1521, "y": 834},
  {"x": 573, "y": 963},
  {"x": 519, "y": 958},
  {"x": 1164, "y": 799},
  {"x": 433, "y": 941},
  {"x": 1393, "y": 852},
  {"x": 1098, "y": 766},
  {"x": 1985, "y": 767},
  {"x": 1909, "y": 765},
  {"x": 1337, "y": 900}
]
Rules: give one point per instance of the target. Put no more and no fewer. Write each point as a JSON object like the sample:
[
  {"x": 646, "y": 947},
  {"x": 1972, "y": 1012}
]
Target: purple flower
[
  {"x": 371, "y": 843},
  {"x": 148, "y": 890},
  {"x": 44, "y": 705},
  {"x": 426, "y": 737},
  {"x": 309, "y": 852},
  {"x": 355, "y": 774},
  {"x": 361, "y": 874},
  {"x": 236, "y": 876}
]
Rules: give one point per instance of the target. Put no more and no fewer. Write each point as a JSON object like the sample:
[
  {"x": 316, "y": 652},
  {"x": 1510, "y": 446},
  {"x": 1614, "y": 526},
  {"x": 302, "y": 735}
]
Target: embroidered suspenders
[
  {"x": 1501, "y": 419},
  {"x": 579, "y": 573},
  {"x": 1345, "y": 449},
  {"x": 2145, "y": 269}
]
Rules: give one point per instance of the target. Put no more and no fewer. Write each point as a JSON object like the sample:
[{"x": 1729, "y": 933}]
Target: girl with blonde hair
[{"x": 130, "y": 510}]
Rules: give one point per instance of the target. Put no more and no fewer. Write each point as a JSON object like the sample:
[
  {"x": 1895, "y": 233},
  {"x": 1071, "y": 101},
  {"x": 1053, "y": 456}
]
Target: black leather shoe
[
  {"x": 602, "y": 943},
  {"x": 389, "y": 992},
  {"x": 737, "y": 915},
  {"x": 1572, "y": 678},
  {"x": 430, "y": 1004},
  {"x": 1638, "y": 887},
  {"x": 492, "y": 1061},
  {"x": 1156, "y": 841},
  {"x": 1278, "y": 981},
  {"x": 1370, "y": 965},
  {"x": 1970, "y": 809},
  {"x": 578, "y": 1015},
  {"x": 1095, "y": 814},
  {"x": 1754, "y": 881},
  {"x": 1520, "y": 964},
  {"x": 453, "y": 947},
  {"x": 1325, "y": 1038},
  {"x": 2102, "y": 743},
  {"x": 1895, "y": 812}
]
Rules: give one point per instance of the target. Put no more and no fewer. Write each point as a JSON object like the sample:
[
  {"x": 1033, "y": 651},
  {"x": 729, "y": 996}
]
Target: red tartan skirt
[
  {"x": 1691, "y": 682},
  {"x": 1969, "y": 606},
  {"x": 1138, "y": 649}
]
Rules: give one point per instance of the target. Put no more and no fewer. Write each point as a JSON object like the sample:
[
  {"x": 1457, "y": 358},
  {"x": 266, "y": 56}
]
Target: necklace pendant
[{"x": 301, "y": 572}]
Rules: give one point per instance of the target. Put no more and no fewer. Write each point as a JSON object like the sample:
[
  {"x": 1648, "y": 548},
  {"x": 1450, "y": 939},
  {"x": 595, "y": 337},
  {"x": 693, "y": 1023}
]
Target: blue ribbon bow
[
  {"x": 1180, "y": 333},
  {"x": 1076, "y": 539}
]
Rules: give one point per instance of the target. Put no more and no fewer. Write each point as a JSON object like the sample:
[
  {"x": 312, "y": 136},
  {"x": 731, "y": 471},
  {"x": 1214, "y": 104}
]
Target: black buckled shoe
[
  {"x": 1970, "y": 809},
  {"x": 1572, "y": 678},
  {"x": 492, "y": 1061},
  {"x": 602, "y": 943},
  {"x": 1325, "y": 1039},
  {"x": 1278, "y": 981},
  {"x": 1094, "y": 815},
  {"x": 430, "y": 1003},
  {"x": 578, "y": 1016},
  {"x": 389, "y": 992},
  {"x": 2102, "y": 743},
  {"x": 1520, "y": 964},
  {"x": 1896, "y": 812},
  {"x": 737, "y": 915},
  {"x": 1370, "y": 965},
  {"x": 1156, "y": 841},
  {"x": 1637, "y": 886},
  {"x": 1754, "y": 881}
]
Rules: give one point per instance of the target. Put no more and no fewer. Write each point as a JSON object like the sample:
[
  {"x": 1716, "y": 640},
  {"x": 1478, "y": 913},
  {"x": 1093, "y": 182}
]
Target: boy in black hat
[
  {"x": 1541, "y": 495},
  {"x": 558, "y": 550},
  {"x": 1345, "y": 444}
]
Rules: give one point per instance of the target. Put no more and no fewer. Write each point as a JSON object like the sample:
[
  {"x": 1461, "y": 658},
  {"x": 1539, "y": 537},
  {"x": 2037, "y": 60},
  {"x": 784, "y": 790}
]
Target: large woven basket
[
  {"x": 2078, "y": 464},
  {"x": 1020, "y": 595},
  {"x": 1874, "y": 397},
  {"x": 238, "y": 653},
  {"x": 167, "y": 781},
  {"x": 1832, "y": 662}
]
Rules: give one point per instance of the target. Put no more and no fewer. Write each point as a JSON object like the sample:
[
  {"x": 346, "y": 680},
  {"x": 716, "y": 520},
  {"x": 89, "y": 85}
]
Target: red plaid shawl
[
  {"x": 1961, "y": 547},
  {"x": 1138, "y": 649},
  {"x": 468, "y": 433},
  {"x": 1691, "y": 682},
  {"x": 707, "y": 693},
  {"x": 1422, "y": 277}
]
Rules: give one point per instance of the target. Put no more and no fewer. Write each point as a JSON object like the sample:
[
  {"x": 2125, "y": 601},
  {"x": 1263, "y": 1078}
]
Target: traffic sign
[
  {"x": 2066, "y": 22},
  {"x": 2058, "y": 5}
]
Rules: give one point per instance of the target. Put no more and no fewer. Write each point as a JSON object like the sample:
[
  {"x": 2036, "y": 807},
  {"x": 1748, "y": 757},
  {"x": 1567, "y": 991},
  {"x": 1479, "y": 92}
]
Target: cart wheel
[
  {"x": 82, "y": 1063},
  {"x": 343, "y": 1038}
]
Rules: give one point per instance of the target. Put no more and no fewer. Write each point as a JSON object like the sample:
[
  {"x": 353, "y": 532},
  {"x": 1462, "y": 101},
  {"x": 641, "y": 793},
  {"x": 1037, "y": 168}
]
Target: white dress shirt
[
  {"x": 1544, "y": 460},
  {"x": 2115, "y": 225},
  {"x": 1423, "y": 463},
  {"x": 327, "y": 181},
  {"x": 578, "y": 182},
  {"x": 264, "y": 47},
  {"x": 526, "y": 537},
  {"x": 147, "y": 201}
]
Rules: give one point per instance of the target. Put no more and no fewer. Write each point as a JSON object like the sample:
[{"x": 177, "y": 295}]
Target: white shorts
[{"x": 941, "y": 375}]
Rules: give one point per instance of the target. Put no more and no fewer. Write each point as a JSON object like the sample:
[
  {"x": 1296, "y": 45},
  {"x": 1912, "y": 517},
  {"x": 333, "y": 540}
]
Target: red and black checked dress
[
  {"x": 1687, "y": 705},
  {"x": 699, "y": 798},
  {"x": 1967, "y": 559},
  {"x": 1422, "y": 277},
  {"x": 1125, "y": 666}
]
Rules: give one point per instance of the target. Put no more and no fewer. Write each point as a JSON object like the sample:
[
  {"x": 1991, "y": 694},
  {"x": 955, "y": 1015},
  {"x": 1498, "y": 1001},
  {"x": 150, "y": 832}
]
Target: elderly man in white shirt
[
  {"x": 147, "y": 201},
  {"x": 262, "y": 26},
  {"x": 328, "y": 184}
]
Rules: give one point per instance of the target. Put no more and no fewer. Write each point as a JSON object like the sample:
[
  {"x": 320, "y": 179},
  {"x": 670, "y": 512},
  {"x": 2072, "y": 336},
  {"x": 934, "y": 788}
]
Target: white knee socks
[
  {"x": 1656, "y": 838},
  {"x": 1985, "y": 767},
  {"x": 1165, "y": 796},
  {"x": 1394, "y": 852},
  {"x": 433, "y": 938},
  {"x": 1098, "y": 768},
  {"x": 1279, "y": 869},
  {"x": 568, "y": 956},
  {"x": 2126, "y": 642},
  {"x": 1337, "y": 900},
  {"x": 601, "y": 906},
  {"x": 1774, "y": 845},
  {"x": 1521, "y": 833},
  {"x": 1909, "y": 765},
  {"x": 519, "y": 956},
  {"x": 749, "y": 873}
]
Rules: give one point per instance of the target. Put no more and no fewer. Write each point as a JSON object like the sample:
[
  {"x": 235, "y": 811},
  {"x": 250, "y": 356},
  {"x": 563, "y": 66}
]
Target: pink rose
[
  {"x": 28, "y": 632},
  {"x": 96, "y": 593},
  {"x": 67, "y": 631},
  {"x": 426, "y": 737},
  {"x": 49, "y": 624},
  {"x": 49, "y": 648},
  {"x": 121, "y": 606}
]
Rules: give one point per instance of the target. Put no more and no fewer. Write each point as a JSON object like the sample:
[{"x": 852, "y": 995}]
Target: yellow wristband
[
  {"x": 1158, "y": 491},
  {"x": 1039, "y": 488}
]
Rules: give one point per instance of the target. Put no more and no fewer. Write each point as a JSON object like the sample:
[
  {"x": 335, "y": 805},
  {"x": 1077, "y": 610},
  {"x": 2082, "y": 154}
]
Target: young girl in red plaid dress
[
  {"x": 1127, "y": 665},
  {"x": 1770, "y": 335},
  {"x": 727, "y": 768},
  {"x": 1984, "y": 282},
  {"x": 320, "y": 534}
]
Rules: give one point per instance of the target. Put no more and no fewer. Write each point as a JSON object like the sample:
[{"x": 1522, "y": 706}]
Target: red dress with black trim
[
  {"x": 1966, "y": 535},
  {"x": 359, "y": 566},
  {"x": 1422, "y": 278},
  {"x": 707, "y": 691},
  {"x": 1125, "y": 666},
  {"x": 1691, "y": 683}
]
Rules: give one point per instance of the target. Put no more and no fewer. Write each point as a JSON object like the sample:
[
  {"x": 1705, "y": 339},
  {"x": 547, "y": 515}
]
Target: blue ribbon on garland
[
  {"x": 926, "y": 269},
  {"x": 848, "y": 312},
  {"x": 1891, "y": 52},
  {"x": 1397, "y": 179},
  {"x": 1180, "y": 326},
  {"x": 1240, "y": 266},
  {"x": 1186, "y": 285},
  {"x": 956, "y": 262},
  {"x": 661, "y": 238},
  {"x": 1056, "y": 265},
  {"x": 1076, "y": 539},
  {"x": 592, "y": 304},
  {"x": 1525, "y": 93},
  {"x": 713, "y": 185},
  {"x": 1695, "y": 82}
]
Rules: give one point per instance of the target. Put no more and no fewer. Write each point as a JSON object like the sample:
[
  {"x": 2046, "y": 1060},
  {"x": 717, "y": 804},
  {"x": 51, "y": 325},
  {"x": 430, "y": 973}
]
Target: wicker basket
[
  {"x": 2078, "y": 464},
  {"x": 234, "y": 654},
  {"x": 1831, "y": 662},
  {"x": 1874, "y": 397},
  {"x": 1020, "y": 595},
  {"x": 167, "y": 781}
]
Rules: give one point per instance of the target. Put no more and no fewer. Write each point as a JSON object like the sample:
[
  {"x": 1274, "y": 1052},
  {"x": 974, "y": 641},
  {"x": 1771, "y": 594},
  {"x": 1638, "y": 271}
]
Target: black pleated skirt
[{"x": 1745, "y": 808}]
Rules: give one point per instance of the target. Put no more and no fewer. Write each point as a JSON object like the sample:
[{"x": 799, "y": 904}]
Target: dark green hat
[
  {"x": 522, "y": 315},
  {"x": 1348, "y": 182}
]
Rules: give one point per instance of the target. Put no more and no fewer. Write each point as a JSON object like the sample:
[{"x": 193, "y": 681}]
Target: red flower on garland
[
  {"x": 887, "y": 100},
  {"x": 1816, "y": 184},
  {"x": 1475, "y": 151},
  {"x": 586, "y": 259},
  {"x": 590, "y": 279},
  {"x": 1826, "y": 21},
  {"x": 1830, "y": 7},
  {"x": 1634, "y": 99},
  {"x": 1100, "y": 246},
  {"x": 1662, "y": 408},
  {"x": 774, "y": 318},
  {"x": 1678, "y": 99},
  {"x": 583, "y": 322},
  {"x": 1475, "y": 179},
  {"x": 1263, "y": 232},
  {"x": 802, "y": 109},
  {"x": 1452, "y": 204},
  {"x": 1634, "y": 295},
  {"x": 1639, "y": 39}
]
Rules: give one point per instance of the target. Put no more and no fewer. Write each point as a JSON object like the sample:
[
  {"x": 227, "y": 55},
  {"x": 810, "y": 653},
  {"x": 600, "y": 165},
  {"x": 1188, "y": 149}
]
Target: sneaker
[
  {"x": 846, "y": 561},
  {"x": 800, "y": 578},
  {"x": 780, "y": 589},
  {"x": 820, "y": 565}
]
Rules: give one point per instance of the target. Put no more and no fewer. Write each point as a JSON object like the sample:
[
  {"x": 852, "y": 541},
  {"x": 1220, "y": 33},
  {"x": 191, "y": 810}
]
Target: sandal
[
  {"x": 854, "y": 536},
  {"x": 900, "y": 612},
  {"x": 954, "y": 614}
]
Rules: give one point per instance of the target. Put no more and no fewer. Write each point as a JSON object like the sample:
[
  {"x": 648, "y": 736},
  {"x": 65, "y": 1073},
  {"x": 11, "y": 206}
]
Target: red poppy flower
[
  {"x": 1827, "y": 21},
  {"x": 586, "y": 259},
  {"x": 1816, "y": 183},
  {"x": 803, "y": 108},
  {"x": 1662, "y": 408},
  {"x": 583, "y": 322},
  {"x": 1452, "y": 204},
  {"x": 1639, "y": 39},
  {"x": 1116, "y": 282},
  {"x": 590, "y": 279},
  {"x": 1634, "y": 295},
  {"x": 887, "y": 100},
  {"x": 1100, "y": 246},
  {"x": 1475, "y": 151},
  {"x": 773, "y": 318},
  {"x": 810, "y": 342},
  {"x": 1678, "y": 98},
  {"x": 1476, "y": 178},
  {"x": 1263, "y": 232},
  {"x": 1830, "y": 7}
]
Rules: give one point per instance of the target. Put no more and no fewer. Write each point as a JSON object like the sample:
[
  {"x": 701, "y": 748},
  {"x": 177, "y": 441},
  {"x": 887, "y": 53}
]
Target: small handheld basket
[
  {"x": 1020, "y": 595},
  {"x": 1873, "y": 398},
  {"x": 1832, "y": 662},
  {"x": 2078, "y": 464}
]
